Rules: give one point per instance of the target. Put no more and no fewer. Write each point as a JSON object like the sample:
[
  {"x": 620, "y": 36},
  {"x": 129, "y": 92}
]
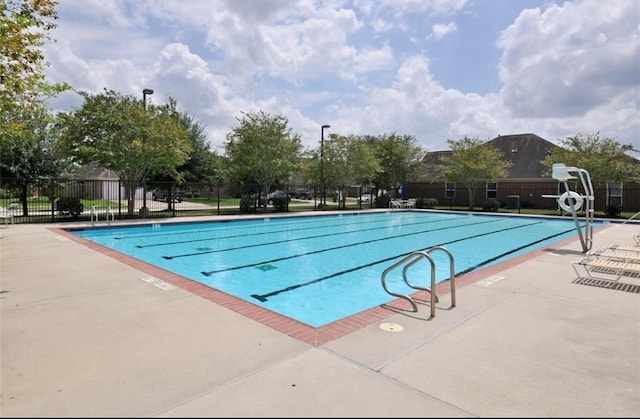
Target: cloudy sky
[{"x": 434, "y": 69}]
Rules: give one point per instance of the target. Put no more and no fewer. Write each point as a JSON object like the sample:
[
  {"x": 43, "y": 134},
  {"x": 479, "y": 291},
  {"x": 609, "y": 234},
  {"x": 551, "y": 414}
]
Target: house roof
[{"x": 524, "y": 151}]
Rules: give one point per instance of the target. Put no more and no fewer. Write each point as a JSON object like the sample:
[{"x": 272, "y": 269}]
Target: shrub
[
  {"x": 612, "y": 210},
  {"x": 491, "y": 205},
  {"x": 382, "y": 201},
  {"x": 247, "y": 203},
  {"x": 280, "y": 203},
  {"x": 71, "y": 207},
  {"x": 426, "y": 202}
]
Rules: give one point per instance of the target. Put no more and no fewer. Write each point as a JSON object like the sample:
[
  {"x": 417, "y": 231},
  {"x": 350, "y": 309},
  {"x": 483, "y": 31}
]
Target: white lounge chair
[
  {"x": 624, "y": 248},
  {"x": 616, "y": 254},
  {"x": 605, "y": 268}
]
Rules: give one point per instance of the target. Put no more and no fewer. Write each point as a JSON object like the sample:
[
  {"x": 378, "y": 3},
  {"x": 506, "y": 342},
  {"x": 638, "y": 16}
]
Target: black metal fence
[{"x": 105, "y": 199}]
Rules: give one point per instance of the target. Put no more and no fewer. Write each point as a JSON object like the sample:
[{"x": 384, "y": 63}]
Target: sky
[{"x": 437, "y": 70}]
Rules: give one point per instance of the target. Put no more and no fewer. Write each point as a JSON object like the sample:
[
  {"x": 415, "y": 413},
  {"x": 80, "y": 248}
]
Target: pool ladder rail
[{"x": 409, "y": 261}]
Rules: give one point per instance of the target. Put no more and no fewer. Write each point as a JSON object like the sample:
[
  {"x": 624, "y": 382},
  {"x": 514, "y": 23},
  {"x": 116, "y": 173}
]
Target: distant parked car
[
  {"x": 278, "y": 195},
  {"x": 302, "y": 193},
  {"x": 161, "y": 195},
  {"x": 365, "y": 197}
]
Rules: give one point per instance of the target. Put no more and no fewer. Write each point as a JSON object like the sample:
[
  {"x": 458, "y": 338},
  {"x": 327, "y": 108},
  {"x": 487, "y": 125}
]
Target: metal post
[
  {"x": 324, "y": 192},
  {"x": 145, "y": 92}
]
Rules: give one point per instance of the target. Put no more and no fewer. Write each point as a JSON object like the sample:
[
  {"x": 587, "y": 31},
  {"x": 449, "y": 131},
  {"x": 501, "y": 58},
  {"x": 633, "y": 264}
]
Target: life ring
[{"x": 565, "y": 205}]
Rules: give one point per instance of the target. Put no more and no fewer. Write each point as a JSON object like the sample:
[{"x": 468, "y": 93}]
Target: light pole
[
  {"x": 144, "y": 209},
  {"x": 324, "y": 196},
  {"x": 146, "y": 92}
]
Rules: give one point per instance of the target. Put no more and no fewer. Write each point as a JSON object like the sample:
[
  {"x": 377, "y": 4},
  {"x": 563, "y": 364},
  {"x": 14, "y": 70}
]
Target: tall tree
[
  {"x": 605, "y": 159},
  {"x": 202, "y": 163},
  {"x": 27, "y": 148},
  {"x": 262, "y": 149},
  {"x": 400, "y": 158},
  {"x": 24, "y": 29},
  {"x": 472, "y": 163},
  {"x": 348, "y": 160},
  {"x": 120, "y": 134},
  {"x": 36, "y": 158}
]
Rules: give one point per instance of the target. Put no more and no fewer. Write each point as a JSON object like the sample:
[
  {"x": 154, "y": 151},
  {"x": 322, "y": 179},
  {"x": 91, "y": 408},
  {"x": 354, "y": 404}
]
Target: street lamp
[
  {"x": 145, "y": 210},
  {"x": 324, "y": 196},
  {"x": 146, "y": 92}
]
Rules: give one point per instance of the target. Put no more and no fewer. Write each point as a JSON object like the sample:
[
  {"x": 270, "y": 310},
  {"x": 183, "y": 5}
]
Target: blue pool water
[{"x": 319, "y": 269}]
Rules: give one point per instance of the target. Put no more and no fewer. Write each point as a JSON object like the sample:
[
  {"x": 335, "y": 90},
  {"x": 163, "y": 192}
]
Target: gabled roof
[{"x": 524, "y": 151}]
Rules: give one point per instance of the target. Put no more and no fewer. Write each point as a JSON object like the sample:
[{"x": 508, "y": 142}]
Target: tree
[
  {"x": 400, "y": 159},
  {"x": 120, "y": 134},
  {"x": 24, "y": 28},
  {"x": 605, "y": 159},
  {"x": 263, "y": 150},
  {"x": 472, "y": 163},
  {"x": 348, "y": 160},
  {"x": 36, "y": 157},
  {"x": 28, "y": 151},
  {"x": 202, "y": 164}
]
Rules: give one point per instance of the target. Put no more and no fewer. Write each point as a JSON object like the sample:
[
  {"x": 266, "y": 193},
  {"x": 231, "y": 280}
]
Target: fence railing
[{"x": 75, "y": 200}]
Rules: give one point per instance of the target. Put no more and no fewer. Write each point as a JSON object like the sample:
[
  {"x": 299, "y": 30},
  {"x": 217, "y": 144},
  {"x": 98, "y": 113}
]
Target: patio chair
[
  {"x": 616, "y": 254},
  {"x": 607, "y": 268},
  {"x": 8, "y": 213},
  {"x": 624, "y": 248}
]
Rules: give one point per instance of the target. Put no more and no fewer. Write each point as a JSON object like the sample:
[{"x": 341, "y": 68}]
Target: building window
[
  {"x": 492, "y": 190},
  {"x": 614, "y": 194},
  {"x": 450, "y": 190}
]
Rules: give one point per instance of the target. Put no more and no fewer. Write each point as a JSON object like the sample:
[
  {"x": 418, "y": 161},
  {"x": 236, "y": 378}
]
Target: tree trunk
[{"x": 472, "y": 193}]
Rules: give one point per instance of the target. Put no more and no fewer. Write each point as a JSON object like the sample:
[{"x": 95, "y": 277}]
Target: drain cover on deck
[{"x": 391, "y": 327}]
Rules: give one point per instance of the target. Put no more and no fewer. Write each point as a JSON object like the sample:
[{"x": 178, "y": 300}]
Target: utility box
[{"x": 512, "y": 202}]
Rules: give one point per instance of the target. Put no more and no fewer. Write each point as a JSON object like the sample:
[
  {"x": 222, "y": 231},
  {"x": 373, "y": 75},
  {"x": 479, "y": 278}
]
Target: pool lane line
[
  {"x": 259, "y": 223},
  {"x": 313, "y": 252},
  {"x": 341, "y": 233},
  {"x": 265, "y": 297},
  {"x": 253, "y": 234},
  {"x": 234, "y": 268}
]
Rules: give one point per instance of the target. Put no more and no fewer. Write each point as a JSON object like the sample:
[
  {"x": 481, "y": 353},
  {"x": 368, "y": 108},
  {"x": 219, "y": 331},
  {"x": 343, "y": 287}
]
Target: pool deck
[{"x": 85, "y": 334}]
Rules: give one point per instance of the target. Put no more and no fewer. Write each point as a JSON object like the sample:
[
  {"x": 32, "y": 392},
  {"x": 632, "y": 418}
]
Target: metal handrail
[
  {"x": 410, "y": 260},
  {"x": 452, "y": 271}
]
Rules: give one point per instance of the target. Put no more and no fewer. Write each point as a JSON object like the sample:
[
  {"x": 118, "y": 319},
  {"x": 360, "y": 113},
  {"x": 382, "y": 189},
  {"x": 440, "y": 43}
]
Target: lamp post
[
  {"x": 324, "y": 196},
  {"x": 146, "y": 92},
  {"x": 144, "y": 208}
]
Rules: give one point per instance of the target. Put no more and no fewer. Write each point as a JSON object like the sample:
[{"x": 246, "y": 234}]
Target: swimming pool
[{"x": 322, "y": 268}]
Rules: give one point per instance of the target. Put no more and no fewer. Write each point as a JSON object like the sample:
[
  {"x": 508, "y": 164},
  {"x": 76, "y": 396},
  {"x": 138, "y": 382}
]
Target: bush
[
  {"x": 280, "y": 203},
  {"x": 426, "y": 202},
  {"x": 612, "y": 210},
  {"x": 382, "y": 201},
  {"x": 491, "y": 205},
  {"x": 71, "y": 207},
  {"x": 247, "y": 203}
]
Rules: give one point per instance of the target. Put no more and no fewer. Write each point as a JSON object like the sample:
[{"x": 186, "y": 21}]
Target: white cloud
[
  {"x": 362, "y": 67},
  {"x": 440, "y": 30}
]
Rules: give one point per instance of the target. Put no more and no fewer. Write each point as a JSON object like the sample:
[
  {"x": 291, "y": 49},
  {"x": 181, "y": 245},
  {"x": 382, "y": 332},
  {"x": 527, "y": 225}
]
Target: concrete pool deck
[{"x": 85, "y": 335}]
